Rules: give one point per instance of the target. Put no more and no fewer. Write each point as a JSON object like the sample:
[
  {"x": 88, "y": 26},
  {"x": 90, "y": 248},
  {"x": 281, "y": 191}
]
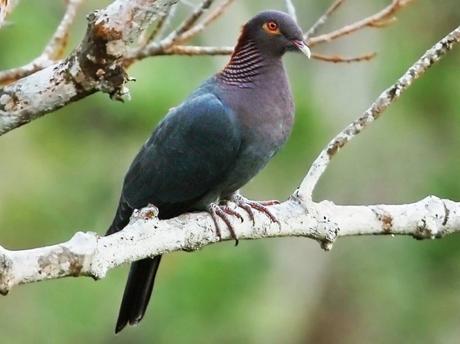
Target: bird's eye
[{"x": 272, "y": 27}]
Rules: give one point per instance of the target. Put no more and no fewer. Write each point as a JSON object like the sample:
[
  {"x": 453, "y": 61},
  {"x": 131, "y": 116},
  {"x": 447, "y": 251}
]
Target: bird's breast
[
  {"x": 266, "y": 112},
  {"x": 265, "y": 116}
]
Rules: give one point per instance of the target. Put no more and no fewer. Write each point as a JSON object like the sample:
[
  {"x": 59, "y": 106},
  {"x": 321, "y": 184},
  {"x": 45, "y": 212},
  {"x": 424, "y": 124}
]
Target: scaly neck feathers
[{"x": 246, "y": 65}]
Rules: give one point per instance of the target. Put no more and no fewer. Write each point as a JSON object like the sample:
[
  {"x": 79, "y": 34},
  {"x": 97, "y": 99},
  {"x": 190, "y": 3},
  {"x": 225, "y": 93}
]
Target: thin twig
[
  {"x": 170, "y": 45},
  {"x": 160, "y": 48},
  {"x": 291, "y": 9},
  {"x": 384, "y": 17},
  {"x": 188, "y": 29},
  {"x": 187, "y": 24},
  {"x": 343, "y": 59},
  {"x": 53, "y": 50},
  {"x": 189, "y": 50},
  {"x": 215, "y": 14},
  {"x": 322, "y": 20},
  {"x": 321, "y": 163}
]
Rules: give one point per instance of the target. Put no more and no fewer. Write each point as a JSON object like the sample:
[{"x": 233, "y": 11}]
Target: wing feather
[{"x": 186, "y": 157}]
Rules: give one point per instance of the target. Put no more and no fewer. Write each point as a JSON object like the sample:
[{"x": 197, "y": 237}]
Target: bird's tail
[
  {"x": 140, "y": 279},
  {"x": 137, "y": 292}
]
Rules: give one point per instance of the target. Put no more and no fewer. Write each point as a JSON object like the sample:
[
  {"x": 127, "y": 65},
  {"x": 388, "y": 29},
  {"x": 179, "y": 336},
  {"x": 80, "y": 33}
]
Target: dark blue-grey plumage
[{"x": 212, "y": 144}]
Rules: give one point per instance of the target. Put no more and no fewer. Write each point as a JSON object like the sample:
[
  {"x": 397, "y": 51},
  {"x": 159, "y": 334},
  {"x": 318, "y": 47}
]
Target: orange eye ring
[{"x": 272, "y": 27}]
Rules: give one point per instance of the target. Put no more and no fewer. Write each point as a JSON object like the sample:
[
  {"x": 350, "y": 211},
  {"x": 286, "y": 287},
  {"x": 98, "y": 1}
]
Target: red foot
[
  {"x": 216, "y": 211},
  {"x": 248, "y": 206}
]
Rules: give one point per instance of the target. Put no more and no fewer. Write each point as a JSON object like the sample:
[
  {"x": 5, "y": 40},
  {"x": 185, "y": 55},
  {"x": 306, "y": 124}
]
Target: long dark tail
[
  {"x": 141, "y": 277},
  {"x": 137, "y": 292}
]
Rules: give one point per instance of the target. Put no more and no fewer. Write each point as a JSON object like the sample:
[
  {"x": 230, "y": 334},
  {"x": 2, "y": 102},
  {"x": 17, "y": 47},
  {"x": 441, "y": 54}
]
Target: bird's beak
[{"x": 303, "y": 48}]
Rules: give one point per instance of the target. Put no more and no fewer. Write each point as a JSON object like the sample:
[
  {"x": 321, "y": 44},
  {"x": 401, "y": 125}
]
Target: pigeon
[{"x": 212, "y": 144}]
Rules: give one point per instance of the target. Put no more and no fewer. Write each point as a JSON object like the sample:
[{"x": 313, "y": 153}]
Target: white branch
[
  {"x": 88, "y": 254},
  {"x": 95, "y": 65}
]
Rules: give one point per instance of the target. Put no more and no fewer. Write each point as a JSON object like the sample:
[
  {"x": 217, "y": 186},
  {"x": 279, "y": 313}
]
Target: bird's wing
[{"x": 187, "y": 155}]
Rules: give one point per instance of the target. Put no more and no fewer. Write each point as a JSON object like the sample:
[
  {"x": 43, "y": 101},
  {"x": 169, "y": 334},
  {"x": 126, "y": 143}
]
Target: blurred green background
[{"x": 63, "y": 173}]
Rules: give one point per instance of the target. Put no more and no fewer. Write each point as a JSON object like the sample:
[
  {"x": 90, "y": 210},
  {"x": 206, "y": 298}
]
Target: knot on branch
[
  {"x": 432, "y": 225},
  {"x": 63, "y": 262},
  {"x": 100, "y": 56},
  {"x": 145, "y": 214},
  {"x": 328, "y": 230},
  {"x": 8, "y": 102},
  {"x": 385, "y": 218},
  {"x": 80, "y": 251},
  {"x": 70, "y": 259},
  {"x": 6, "y": 266}
]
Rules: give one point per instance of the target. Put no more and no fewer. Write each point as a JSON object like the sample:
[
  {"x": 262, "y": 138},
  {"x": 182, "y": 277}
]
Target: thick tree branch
[
  {"x": 96, "y": 65},
  {"x": 88, "y": 254}
]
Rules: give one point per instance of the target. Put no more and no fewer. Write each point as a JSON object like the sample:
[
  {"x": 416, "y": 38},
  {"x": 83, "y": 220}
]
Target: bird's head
[{"x": 274, "y": 33}]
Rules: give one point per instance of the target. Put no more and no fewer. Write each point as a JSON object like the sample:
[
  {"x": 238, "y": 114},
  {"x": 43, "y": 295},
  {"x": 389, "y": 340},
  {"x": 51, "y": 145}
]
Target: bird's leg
[
  {"x": 223, "y": 211},
  {"x": 248, "y": 206}
]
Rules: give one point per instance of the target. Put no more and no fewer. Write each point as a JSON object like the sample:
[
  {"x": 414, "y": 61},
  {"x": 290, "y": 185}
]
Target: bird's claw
[
  {"x": 248, "y": 206},
  {"x": 216, "y": 211},
  {"x": 224, "y": 211}
]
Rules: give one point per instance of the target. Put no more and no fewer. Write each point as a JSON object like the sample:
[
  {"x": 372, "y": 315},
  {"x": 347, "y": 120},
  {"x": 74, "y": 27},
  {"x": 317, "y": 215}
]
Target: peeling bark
[
  {"x": 88, "y": 254},
  {"x": 95, "y": 65}
]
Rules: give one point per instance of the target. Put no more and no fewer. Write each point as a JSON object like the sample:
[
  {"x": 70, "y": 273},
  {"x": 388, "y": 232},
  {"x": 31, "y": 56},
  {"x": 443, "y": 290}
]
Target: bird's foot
[
  {"x": 222, "y": 211},
  {"x": 261, "y": 206}
]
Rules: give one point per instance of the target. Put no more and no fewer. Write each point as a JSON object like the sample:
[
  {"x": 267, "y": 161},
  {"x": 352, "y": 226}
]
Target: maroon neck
[{"x": 245, "y": 65}]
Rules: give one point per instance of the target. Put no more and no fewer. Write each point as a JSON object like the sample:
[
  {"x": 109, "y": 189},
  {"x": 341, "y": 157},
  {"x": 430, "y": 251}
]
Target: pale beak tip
[
  {"x": 303, "y": 48},
  {"x": 306, "y": 51}
]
